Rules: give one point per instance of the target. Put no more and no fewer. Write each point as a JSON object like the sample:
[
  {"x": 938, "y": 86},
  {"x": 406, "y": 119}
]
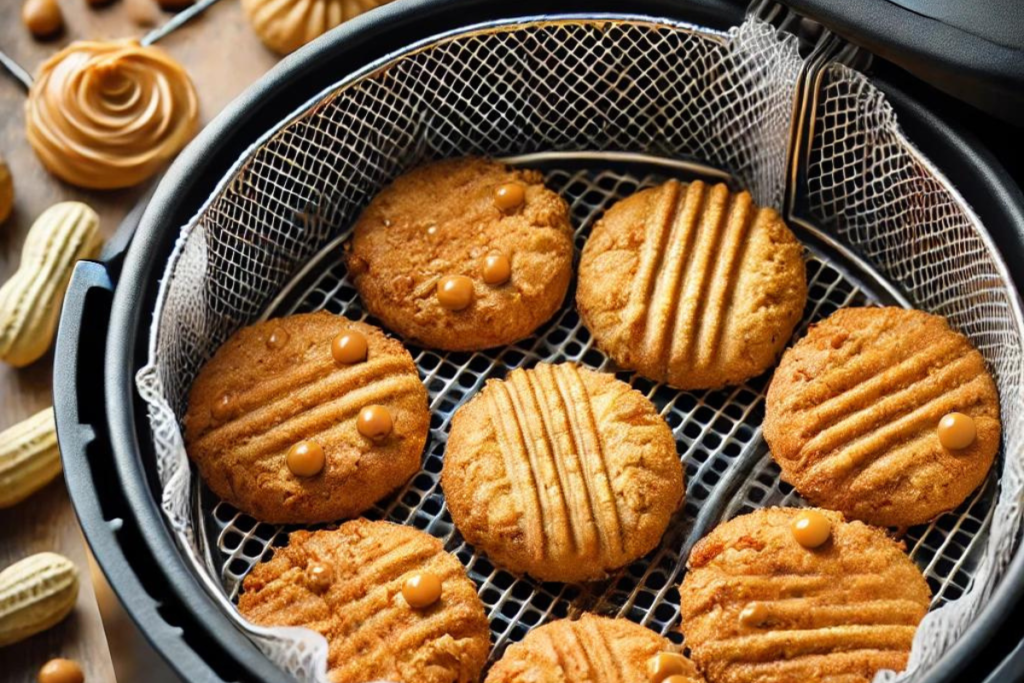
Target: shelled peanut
[
  {"x": 61, "y": 671},
  {"x": 6, "y": 191},
  {"x": 42, "y": 18},
  {"x": 36, "y": 594},
  {"x": 30, "y": 301},
  {"x": 29, "y": 458}
]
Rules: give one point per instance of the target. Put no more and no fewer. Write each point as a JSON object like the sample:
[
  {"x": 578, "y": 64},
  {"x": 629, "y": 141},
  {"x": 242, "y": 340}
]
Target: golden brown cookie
[
  {"x": 757, "y": 605},
  {"x": 286, "y": 25},
  {"x": 463, "y": 254},
  {"x": 561, "y": 472},
  {"x": 282, "y": 430},
  {"x": 692, "y": 285},
  {"x": 853, "y": 411},
  {"x": 353, "y": 586},
  {"x": 593, "y": 649}
]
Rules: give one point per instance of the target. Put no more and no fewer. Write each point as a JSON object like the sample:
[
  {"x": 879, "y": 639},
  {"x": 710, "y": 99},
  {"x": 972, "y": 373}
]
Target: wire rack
[
  {"x": 717, "y": 433},
  {"x": 616, "y": 102}
]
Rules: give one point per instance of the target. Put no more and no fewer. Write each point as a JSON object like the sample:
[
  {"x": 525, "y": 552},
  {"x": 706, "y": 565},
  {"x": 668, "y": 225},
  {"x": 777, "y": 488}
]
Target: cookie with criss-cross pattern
[
  {"x": 392, "y": 604},
  {"x": 791, "y": 596},
  {"x": 593, "y": 649},
  {"x": 463, "y": 254},
  {"x": 855, "y": 410},
  {"x": 692, "y": 285},
  {"x": 309, "y": 418},
  {"x": 561, "y": 472}
]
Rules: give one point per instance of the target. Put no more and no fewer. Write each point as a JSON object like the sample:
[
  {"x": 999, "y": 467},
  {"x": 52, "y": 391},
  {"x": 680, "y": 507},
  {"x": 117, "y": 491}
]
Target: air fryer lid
[{"x": 972, "y": 50}]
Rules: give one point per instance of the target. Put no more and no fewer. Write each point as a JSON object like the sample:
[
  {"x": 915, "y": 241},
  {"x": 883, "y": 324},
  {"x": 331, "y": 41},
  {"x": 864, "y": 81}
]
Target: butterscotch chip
[
  {"x": 372, "y": 632},
  {"x": 811, "y": 529},
  {"x": 252, "y": 403},
  {"x": 692, "y": 285},
  {"x": 853, "y": 412},
  {"x": 509, "y": 197},
  {"x": 497, "y": 269},
  {"x": 419, "y": 253},
  {"x": 591, "y": 649},
  {"x": 956, "y": 431},
  {"x": 349, "y": 347},
  {"x": 306, "y": 459},
  {"x": 840, "y": 612},
  {"x": 374, "y": 422},
  {"x": 561, "y": 472},
  {"x": 422, "y": 589}
]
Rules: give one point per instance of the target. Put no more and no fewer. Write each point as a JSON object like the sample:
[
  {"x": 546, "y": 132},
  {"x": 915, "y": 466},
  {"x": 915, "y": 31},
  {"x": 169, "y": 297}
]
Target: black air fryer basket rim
[{"x": 121, "y": 426}]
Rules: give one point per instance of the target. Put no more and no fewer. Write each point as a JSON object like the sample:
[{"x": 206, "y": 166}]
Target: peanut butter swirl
[{"x": 105, "y": 115}]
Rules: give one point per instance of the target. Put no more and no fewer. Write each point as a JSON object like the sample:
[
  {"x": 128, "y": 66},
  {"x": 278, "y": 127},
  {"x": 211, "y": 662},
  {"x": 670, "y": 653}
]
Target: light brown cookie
[
  {"x": 282, "y": 430},
  {"x": 286, "y": 26},
  {"x": 593, "y": 649},
  {"x": 561, "y": 472},
  {"x": 692, "y": 285},
  {"x": 853, "y": 411},
  {"x": 392, "y": 604},
  {"x": 758, "y": 605},
  {"x": 448, "y": 257}
]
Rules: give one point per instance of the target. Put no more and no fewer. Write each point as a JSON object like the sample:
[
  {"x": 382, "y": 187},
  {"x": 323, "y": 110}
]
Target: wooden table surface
[{"x": 223, "y": 56}]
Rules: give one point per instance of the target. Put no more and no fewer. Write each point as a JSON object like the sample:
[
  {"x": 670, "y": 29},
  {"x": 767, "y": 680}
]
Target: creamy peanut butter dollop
[
  {"x": 105, "y": 115},
  {"x": 286, "y": 25}
]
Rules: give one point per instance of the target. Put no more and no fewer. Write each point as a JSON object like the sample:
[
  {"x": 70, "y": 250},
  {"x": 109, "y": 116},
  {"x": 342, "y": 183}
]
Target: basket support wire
[{"x": 605, "y": 105}]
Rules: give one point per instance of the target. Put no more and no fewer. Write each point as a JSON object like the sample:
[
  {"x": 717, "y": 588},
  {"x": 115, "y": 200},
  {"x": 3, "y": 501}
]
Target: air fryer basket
[{"x": 603, "y": 104}]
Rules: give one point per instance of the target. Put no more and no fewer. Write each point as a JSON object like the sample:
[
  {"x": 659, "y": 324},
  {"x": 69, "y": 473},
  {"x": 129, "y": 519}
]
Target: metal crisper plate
[
  {"x": 718, "y": 436},
  {"x": 604, "y": 104}
]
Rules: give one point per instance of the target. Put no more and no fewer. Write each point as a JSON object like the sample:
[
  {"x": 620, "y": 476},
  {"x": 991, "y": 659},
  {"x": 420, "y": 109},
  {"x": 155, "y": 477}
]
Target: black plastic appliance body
[{"x": 103, "y": 337}]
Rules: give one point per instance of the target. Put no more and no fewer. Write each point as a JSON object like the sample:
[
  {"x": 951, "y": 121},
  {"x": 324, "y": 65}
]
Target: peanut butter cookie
[
  {"x": 305, "y": 419},
  {"x": 791, "y": 596},
  {"x": 463, "y": 254},
  {"x": 593, "y": 649},
  {"x": 692, "y": 285},
  {"x": 392, "y": 604},
  {"x": 561, "y": 472},
  {"x": 854, "y": 410}
]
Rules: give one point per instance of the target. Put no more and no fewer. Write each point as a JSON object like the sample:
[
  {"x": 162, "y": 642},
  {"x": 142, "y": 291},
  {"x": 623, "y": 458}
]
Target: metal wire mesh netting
[
  {"x": 585, "y": 86},
  {"x": 877, "y": 192},
  {"x": 717, "y": 433}
]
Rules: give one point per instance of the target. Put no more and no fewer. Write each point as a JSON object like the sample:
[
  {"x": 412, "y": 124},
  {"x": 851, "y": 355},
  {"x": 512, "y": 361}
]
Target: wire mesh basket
[{"x": 604, "y": 105}]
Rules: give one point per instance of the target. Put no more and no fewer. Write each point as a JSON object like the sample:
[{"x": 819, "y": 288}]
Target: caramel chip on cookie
[
  {"x": 351, "y": 585},
  {"x": 759, "y": 605},
  {"x": 853, "y": 416},
  {"x": 275, "y": 419},
  {"x": 463, "y": 254}
]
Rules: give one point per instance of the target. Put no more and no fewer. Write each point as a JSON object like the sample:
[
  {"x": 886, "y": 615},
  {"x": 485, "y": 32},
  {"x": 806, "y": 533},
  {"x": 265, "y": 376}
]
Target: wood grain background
[{"x": 223, "y": 56}]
